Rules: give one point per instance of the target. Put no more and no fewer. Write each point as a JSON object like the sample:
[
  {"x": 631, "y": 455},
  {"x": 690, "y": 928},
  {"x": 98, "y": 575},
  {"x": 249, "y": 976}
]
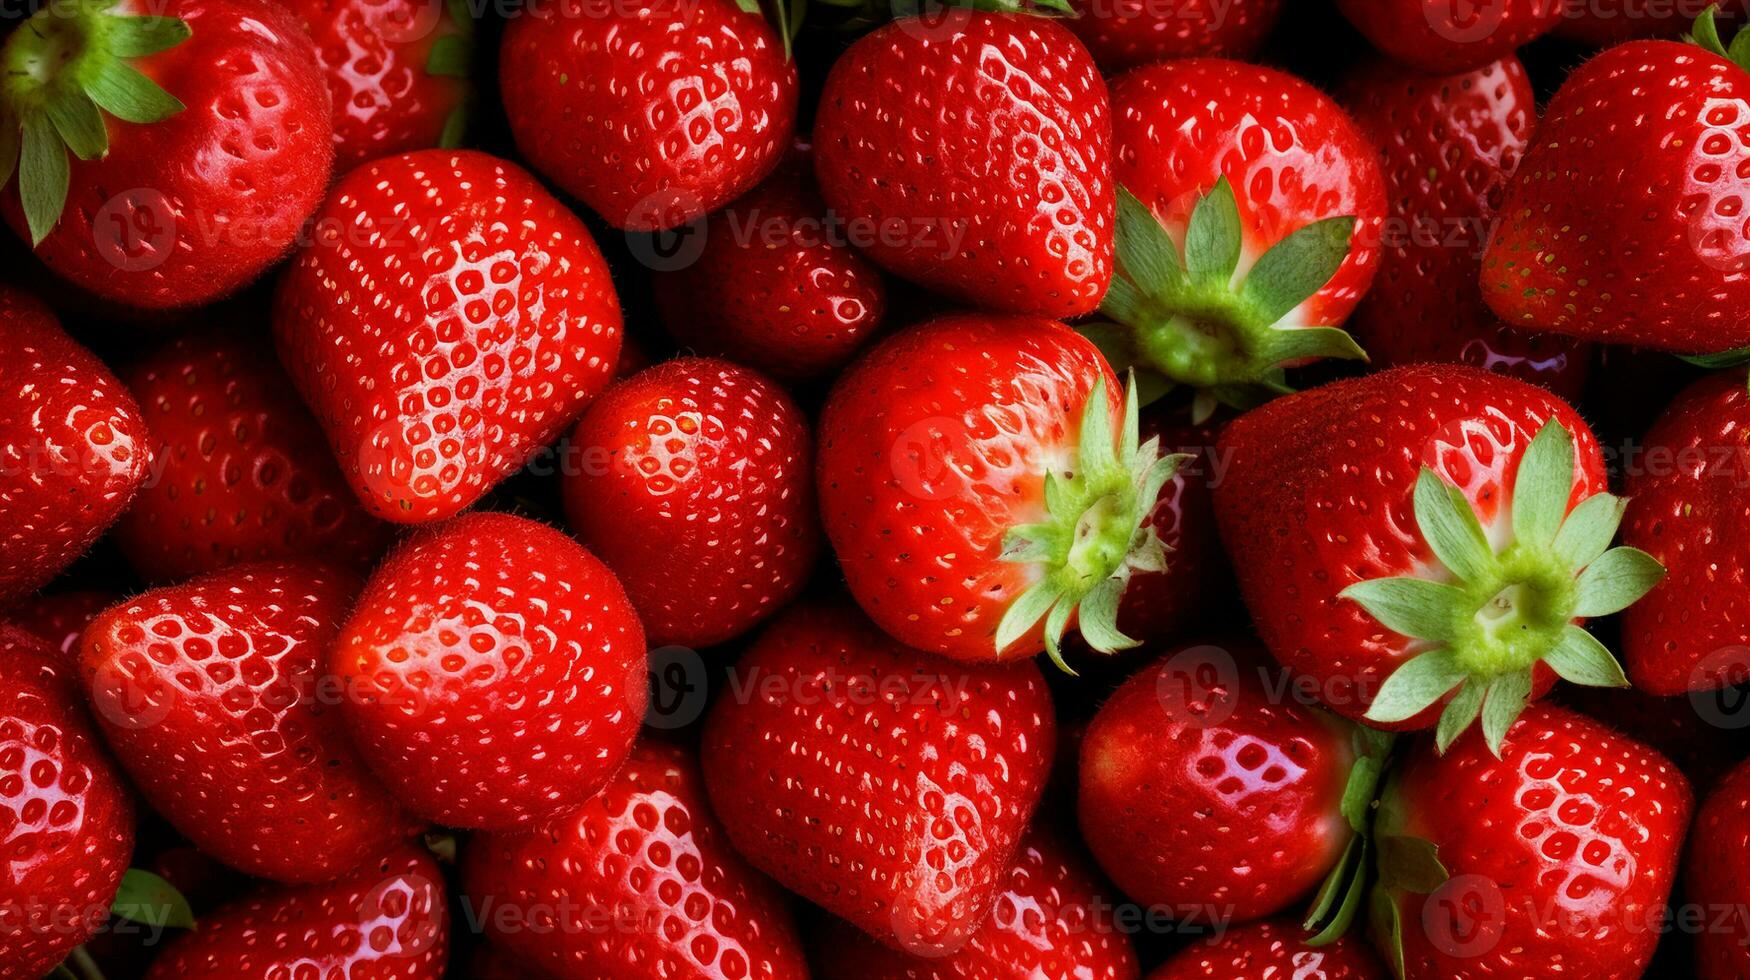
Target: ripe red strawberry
[
  {"x": 495, "y": 673},
  {"x": 1053, "y": 918},
  {"x": 1717, "y": 877},
  {"x": 386, "y": 920},
  {"x": 160, "y": 169},
  {"x": 715, "y": 462},
  {"x": 652, "y": 114},
  {"x": 434, "y": 385},
  {"x": 1553, "y": 859},
  {"x": 60, "y": 618},
  {"x": 73, "y": 449},
  {"x": 214, "y": 697},
  {"x": 1427, "y": 531},
  {"x": 1208, "y": 790},
  {"x": 68, "y": 817},
  {"x": 647, "y": 854},
  {"x": 1686, "y": 490},
  {"x": 1447, "y": 145},
  {"x": 1624, "y": 223},
  {"x": 777, "y": 286},
  {"x": 1442, "y": 37},
  {"x": 397, "y": 73},
  {"x": 981, "y": 483},
  {"x": 977, "y": 154},
  {"x": 888, "y": 786},
  {"x": 1158, "y": 605},
  {"x": 242, "y": 472},
  {"x": 1271, "y": 950},
  {"x": 1122, "y": 34},
  {"x": 1228, "y": 271},
  {"x": 1691, "y": 732}
]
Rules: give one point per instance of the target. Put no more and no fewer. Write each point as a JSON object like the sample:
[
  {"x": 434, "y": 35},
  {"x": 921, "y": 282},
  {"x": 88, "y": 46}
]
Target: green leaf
[
  {"x": 1542, "y": 485},
  {"x": 451, "y": 56},
  {"x": 1724, "y": 359},
  {"x": 455, "y": 128},
  {"x": 1359, "y": 790},
  {"x": 1411, "y": 606},
  {"x": 1146, "y": 252},
  {"x": 1056, "y": 622},
  {"x": 1706, "y": 33},
  {"x": 1459, "y": 713},
  {"x": 748, "y": 6},
  {"x": 1212, "y": 239},
  {"x": 1613, "y": 582},
  {"x": 1097, "y": 618},
  {"x": 1502, "y": 706},
  {"x": 1385, "y": 923},
  {"x": 1096, "y": 448},
  {"x": 80, "y": 124},
  {"x": 1285, "y": 345},
  {"x": 150, "y": 900},
  {"x": 1450, "y": 527},
  {"x": 1297, "y": 267},
  {"x": 130, "y": 96},
  {"x": 1331, "y": 890},
  {"x": 1025, "y": 613},
  {"x": 136, "y": 37},
  {"x": 1589, "y": 529},
  {"x": 1580, "y": 659},
  {"x": 1351, "y": 885},
  {"x": 1410, "y": 864},
  {"x": 1739, "y": 52},
  {"x": 1419, "y": 682},
  {"x": 42, "y": 176}
]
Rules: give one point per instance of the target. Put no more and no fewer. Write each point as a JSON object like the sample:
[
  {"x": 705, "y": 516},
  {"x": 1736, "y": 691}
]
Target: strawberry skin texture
[
  {"x": 1689, "y": 508},
  {"x": 496, "y": 672},
  {"x": 777, "y": 287},
  {"x": 1717, "y": 876},
  {"x": 1624, "y": 221},
  {"x": 1442, "y": 37},
  {"x": 67, "y": 815},
  {"x": 1447, "y": 145},
  {"x": 385, "y": 921},
  {"x": 228, "y": 180},
  {"x": 1290, "y": 153},
  {"x": 1223, "y": 803},
  {"x": 647, "y": 851},
  {"x": 651, "y": 114},
  {"x": 1123, "y": 34},
  {"x": 1576, "y": 829},
  {"x": 437, "y": 369},
  {"x": 373, "y": 56},
  {"x": 212, "y": 696},
  {"x": 1004, "y": 201},
  {"x": 1318, "y": 497},
  {"x": 1047, "y": 922},
  {"x": 891, "y": 787},
  {"x": 932, "y": 446},
  {"x": 242, "y": 472},
  {"x": 715, "y": 462},
  {"x": 1271, "y": 950},
  {"x": 73, "y": 446}
]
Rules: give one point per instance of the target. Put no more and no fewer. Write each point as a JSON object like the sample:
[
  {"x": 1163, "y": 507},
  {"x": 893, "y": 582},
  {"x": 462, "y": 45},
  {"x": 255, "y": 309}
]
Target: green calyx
[
  {"x": 1706, "y": 33},
  {"x": 1491, "y": 616},
  {"x": 1339, "y": 898},
  {"x": 59, "y": 73},
  {"x": 452, "y": 56},
  {"x": 1191, "y": 316},
  {"x": 1095, "y": 535}
]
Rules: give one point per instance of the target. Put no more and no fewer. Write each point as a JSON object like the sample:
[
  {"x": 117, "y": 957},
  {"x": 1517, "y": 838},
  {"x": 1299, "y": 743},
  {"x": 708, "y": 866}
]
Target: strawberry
[
  {"x": 1227, "y": 272},
  {"x": 434, "y": 386},
  {"x": 168, "y": 159},
  {"x": 1158, "y": 605},
  {"x": 73, "y": 448},
  {"x": 495, "y": 673},
  {"x": 888, "y": 786},
  {"x": 1204, "y": 791},
  {"x": 212, "y": 695},
  {"x": 1444, "y": 37},
  {"x": 1447, "y": 145},
  {"x": 1552, "y": 856},
  {"x": 242, "y": 470},
  {"x": 777, "y": 285},
  {"x": 975, "y": 154},
  {"x": 1691, "y": 732},
  {"x": 652, "y": 114},
  {"x": 716, "y": 463},
  {"x": 1717, "y": 877},
  {"x": 397, "y": 72},
  {"x": 1638, "y": 176},
  {"x": 646, "y": 859},
  {"x": 60, "y": 618},
  {"x": 981, "y": 482},
  {"x": 1053, "y": 918},
  {"x": 1427, "y": 531},
  {"x": 1686, "y": 508},
  {"x": 1271, "y": 950},
  {"x": 1123, "y": 34},
  {"x": 68, "y": 818},
  {"x": 387, "y": 919}
]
